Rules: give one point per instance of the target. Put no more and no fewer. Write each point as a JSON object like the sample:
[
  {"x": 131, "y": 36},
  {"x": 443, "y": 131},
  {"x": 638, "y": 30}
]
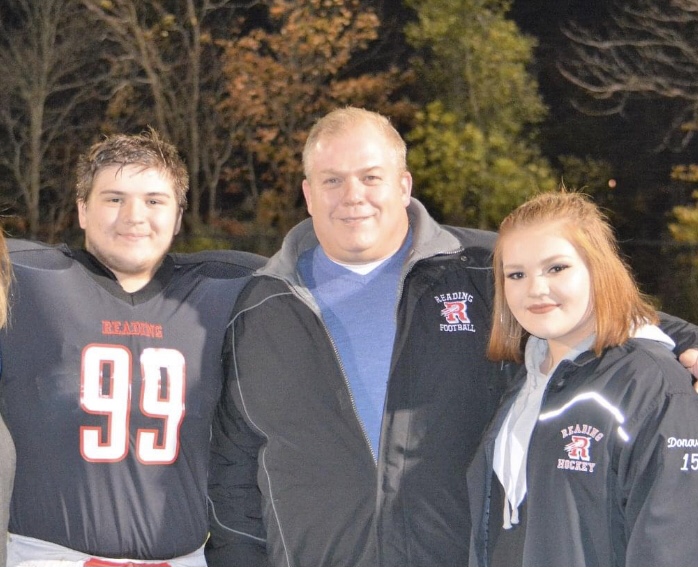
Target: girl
[{"x": 592, "y": 457}]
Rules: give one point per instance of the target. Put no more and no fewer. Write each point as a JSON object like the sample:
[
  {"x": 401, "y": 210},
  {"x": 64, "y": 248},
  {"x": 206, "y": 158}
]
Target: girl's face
[{"x": 547, "y": 286}]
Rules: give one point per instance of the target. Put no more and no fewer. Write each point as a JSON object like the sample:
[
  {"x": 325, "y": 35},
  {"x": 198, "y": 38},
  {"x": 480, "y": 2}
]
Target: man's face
[
  {"x": 357, "y": 196},
  {"x": 130, "y": 219}
]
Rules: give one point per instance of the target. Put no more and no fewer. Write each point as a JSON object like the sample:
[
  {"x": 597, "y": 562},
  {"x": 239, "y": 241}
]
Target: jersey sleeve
[
  {"x": 683, "y": 333},
  {"x": 237, "y": 534}
]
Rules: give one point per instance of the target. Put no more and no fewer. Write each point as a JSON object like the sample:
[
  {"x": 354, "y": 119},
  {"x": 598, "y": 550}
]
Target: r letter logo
[{"x": 454, "y": 310}]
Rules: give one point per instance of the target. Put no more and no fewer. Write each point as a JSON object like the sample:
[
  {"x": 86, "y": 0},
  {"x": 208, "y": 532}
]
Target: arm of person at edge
[
  {"x": 237, "y": 537},
  {"x": 685, "y": 335}
]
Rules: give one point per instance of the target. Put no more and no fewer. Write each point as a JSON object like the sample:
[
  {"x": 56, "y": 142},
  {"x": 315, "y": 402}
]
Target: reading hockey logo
[
  {"x": 455, "y": 311},
  {"x": 578, "y": 448}
]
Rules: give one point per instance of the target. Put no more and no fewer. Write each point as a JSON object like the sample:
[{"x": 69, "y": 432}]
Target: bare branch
[
  {"x": 164, "y": 59},
  {"x": 46, "y": 52},
  {"x": 647, "y": 50}
]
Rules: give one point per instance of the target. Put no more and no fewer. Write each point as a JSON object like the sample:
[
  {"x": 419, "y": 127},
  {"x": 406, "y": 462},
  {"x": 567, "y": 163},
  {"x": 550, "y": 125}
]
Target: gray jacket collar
[{"x": 428, "y": 239}]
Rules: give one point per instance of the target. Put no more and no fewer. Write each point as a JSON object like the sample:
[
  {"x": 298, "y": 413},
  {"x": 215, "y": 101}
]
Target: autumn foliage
[{"x": 284, "y": 75}]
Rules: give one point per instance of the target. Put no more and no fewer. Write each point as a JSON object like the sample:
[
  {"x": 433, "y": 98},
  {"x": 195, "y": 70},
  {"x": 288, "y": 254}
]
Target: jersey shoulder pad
[
  {"x": 38, "y": 255},
  {"x": 225, "y": 263}
]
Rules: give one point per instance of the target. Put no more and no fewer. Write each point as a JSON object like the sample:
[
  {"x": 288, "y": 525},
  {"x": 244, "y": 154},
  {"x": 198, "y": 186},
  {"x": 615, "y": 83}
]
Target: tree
[
  {"x": 165, "y": 64},
  {"x": 685, "y": 226},
  {"x": 305, "y": 60},
  {"x": 646, "y": 53},
  {"x": 474, "y": 154},
  {"x": 683, "y": 272},
  {"x": 49, "y": 75},
  {"x": 646, "y": 49}
]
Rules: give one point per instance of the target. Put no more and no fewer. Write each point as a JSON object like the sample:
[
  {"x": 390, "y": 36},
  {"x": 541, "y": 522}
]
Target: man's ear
[
  {"x": 178, "y": 224},
  {"x": 406, "y": 186},
  {"x": 308, "y": 198},
  {"x": 82, "y": 213}
]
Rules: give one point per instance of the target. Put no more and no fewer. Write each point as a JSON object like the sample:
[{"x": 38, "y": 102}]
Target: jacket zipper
[
  {"x": 309, "y": 301},
  {"x": 351, "y": 395}
]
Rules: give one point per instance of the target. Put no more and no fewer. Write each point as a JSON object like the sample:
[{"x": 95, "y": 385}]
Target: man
[
  {"x": 112, "y": 371},
  {"x": 358, "y": 386}
]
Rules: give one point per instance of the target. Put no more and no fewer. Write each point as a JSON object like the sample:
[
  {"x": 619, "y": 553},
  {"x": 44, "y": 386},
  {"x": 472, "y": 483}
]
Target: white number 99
[{"x": 109, "y": 443}]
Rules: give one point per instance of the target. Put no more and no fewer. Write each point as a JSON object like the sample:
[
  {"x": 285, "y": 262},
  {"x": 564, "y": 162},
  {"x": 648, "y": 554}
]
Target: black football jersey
[{"x": 109, "y": 397}]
